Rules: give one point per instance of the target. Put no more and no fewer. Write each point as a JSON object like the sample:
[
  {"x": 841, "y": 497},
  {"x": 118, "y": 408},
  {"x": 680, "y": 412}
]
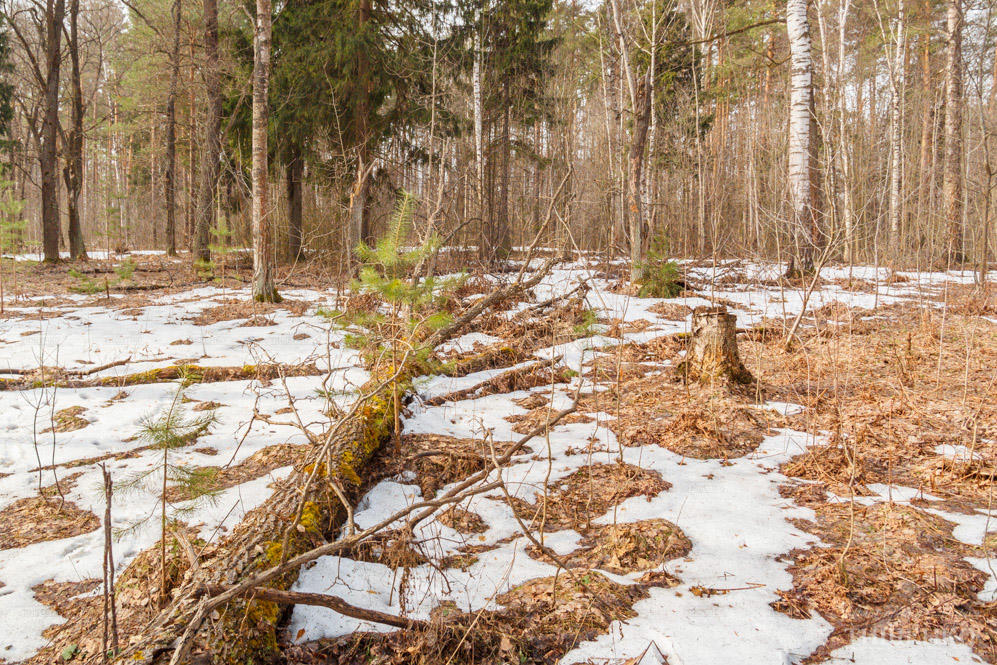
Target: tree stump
[{"x": 712, "y": 356}]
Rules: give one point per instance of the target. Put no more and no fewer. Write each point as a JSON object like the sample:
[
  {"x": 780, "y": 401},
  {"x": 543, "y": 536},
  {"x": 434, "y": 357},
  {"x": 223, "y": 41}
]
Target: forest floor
[{"x": 836, "y": 510}]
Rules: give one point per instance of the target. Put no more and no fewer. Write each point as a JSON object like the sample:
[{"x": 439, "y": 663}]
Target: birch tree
[{"x": 801, "y": 142}]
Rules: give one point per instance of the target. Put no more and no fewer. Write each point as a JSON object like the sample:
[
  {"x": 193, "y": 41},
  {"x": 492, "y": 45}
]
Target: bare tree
[
  {"x": 263, "y": 256},
  {"x": 212, "y": 133},
  {"x": 73, "y": 171},
  {"x": 171, "y": 135},
  {"x": 952, "y": 175}
]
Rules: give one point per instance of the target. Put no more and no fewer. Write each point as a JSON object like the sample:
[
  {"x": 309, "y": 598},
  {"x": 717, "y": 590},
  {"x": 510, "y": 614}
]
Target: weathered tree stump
[{"x": 712, "y": 356}]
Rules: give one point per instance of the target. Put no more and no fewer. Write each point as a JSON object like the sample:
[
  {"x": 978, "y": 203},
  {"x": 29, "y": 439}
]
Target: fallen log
[
  {"x": 54, "y": 378},
  {"x": 265, "y": 550}
]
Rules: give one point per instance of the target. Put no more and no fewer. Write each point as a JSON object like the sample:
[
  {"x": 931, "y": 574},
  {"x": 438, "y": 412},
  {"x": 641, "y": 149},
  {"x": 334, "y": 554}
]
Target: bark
[
  {"x": 896, "y": 133},
  {"x": 212, "y": 134},
  {"x": 295, "y": 168},
  {"x": 170, "y": 179},
  {"x": 642, "y": 117},
  {"x": 361, "y": 121},
  {"x": 844, "y": 153},
  {"x": 263, "y": 255},
  {"x": 952, "y": 176},
  {"x": 926, "y": 179},
  {"x": 73, "y": 171},
  {"x": 713, "y": 356},
  {"x": 801, "y": 143},
  {"x": 501, "y": 237},
  {"x": 48, "y": 157},
  {"x": 479, "y": 149}
]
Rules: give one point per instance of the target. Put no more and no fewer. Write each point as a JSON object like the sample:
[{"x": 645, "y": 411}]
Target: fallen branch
[{"x": 334, "y": 603}]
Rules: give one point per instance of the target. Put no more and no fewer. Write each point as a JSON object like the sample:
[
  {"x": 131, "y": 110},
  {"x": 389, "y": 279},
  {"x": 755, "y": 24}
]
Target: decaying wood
[
  {"x": 54, "y": 377},
  {"x": 713, "y": 356},
  {"x": 262, "y": 552}
]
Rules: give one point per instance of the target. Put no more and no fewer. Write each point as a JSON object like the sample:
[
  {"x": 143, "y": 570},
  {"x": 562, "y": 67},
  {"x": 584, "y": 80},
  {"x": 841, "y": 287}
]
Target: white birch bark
[{"x": 800, "y": 140}]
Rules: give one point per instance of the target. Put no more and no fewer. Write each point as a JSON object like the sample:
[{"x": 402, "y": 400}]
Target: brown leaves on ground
[
  {"x": 630, "y": 548},
  {"x": 437, "y": 460},
  {"x": 540, "y": 413},
  {"x": 574, "y": 501},
  {"x": 40, "y": 518},
  {"x": 520, "y": 378},
  {"x": 889, "y": 570},
  {"x": 693, "y": 422},
  {"x": 463, "y": 521},
  {"x": 68, "y": 420},
  {"x": 541, "y": 621},
  {"x": 240, "y": 308}
]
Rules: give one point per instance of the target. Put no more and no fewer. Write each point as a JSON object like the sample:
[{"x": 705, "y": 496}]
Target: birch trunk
[
  {"x": 801, "y": 144},
  {"x": 263, "y": 257}
]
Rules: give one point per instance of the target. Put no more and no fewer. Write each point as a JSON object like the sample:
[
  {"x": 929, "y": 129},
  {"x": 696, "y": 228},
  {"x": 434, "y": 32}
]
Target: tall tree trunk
[
  {"x": 170, "y": 179},
  {"x": 642, "y": 118},
  {"x": 503, "y": 237},
  {"x": 801, "y": 144},
  {"x": 479, "y": 149},
  {"x": 73, "y": 171},
  {"x": 896, "y": 133},
  {"x": 359, "y": 212},
  {"x": 48, "y": 158},
  {"x": 952, "y": 176},
  {"x": 295, "y": 168},
  {"x": 926, "y": 178},
  {"x": 210, "y": 164},
  {"x": 263, "y": 256},
  {"x": 844, "y": 153}
]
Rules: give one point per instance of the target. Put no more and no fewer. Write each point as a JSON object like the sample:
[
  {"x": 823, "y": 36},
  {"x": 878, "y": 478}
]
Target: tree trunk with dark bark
[
  {"x": 295, "y": 168},
  {"x": 210, "y": 165},
  {"x": 73, "y": 171},
  {"x": 171, "y": 135},
  {"x": 264, "y": 289},
  {"x": 952, "y": 175},
  {"x": 635, "y": 216},
  {"x": 48, "y": 157}
]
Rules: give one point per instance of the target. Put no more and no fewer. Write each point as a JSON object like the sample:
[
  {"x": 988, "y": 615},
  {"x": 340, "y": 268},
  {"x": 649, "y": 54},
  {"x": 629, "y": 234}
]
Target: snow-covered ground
[{"x": 732, "y": 512}]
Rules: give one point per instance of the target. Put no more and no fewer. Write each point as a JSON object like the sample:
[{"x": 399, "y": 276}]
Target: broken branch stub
[{"x": 713, "y": 356}]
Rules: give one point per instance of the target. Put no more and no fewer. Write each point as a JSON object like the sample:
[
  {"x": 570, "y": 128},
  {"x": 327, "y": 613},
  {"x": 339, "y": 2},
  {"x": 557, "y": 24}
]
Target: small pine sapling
[
  {"x": 407, "y": 307},
  {"x": 191, "y": 487},
  {"x": 661, "y": 276}
]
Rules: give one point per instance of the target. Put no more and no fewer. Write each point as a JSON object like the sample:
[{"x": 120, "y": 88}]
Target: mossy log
[
  {"x": 304, "y": 511},
  {"x": 712, "y": 355},
  {"x": 53, "y": 377}
]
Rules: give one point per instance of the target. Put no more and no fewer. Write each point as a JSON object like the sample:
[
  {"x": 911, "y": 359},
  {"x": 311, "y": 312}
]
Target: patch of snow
[{"x": 878, "y": 651}]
